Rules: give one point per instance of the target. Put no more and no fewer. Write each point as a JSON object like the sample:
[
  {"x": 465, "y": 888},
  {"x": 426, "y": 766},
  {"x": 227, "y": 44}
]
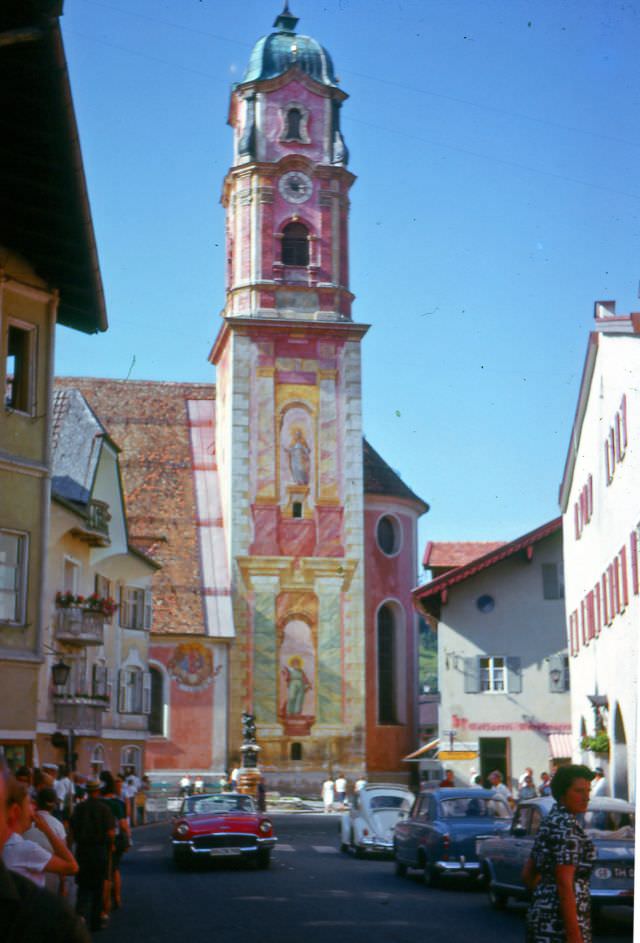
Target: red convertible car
[{"x": 226, "y": 825}]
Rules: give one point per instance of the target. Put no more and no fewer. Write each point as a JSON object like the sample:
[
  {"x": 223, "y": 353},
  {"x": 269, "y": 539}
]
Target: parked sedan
[
  {"x": 226, "y": 825},
  {"x": 367, "y": 827},
  {"x": 439, "y": 836},
  {"x": 609, "y": 822}
]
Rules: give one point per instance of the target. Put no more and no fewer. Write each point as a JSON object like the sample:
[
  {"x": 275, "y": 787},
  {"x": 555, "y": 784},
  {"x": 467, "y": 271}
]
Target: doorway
[{"x": 494, "y": 754}]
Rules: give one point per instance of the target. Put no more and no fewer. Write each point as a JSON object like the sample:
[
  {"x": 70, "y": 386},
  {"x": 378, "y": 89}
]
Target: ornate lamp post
[
  {"x": 60, "y": 675},
  {"x": 249, "y": 776}
]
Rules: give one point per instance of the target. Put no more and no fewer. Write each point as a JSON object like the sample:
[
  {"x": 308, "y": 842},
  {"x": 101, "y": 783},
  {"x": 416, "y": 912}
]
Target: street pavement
[{"x": 311, "y": 894}]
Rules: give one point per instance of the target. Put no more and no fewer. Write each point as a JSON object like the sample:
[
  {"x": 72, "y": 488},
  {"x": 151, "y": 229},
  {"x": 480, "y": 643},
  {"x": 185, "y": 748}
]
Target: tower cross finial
[{"x": 286, "y": 21}]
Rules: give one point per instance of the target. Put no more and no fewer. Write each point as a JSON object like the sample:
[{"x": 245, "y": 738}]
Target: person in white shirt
[
  {"x": 495, "y": 778},
  {"x": 46, "y": 802},
  {"x": 185, "y": 785},
  {"x": 65, "y": 791},
  {"x": 599, "y": 784},
  {"x": 25, "y": 857},
  {"x": 341, "y": 788},
  {"x": 327, "y": 794}
]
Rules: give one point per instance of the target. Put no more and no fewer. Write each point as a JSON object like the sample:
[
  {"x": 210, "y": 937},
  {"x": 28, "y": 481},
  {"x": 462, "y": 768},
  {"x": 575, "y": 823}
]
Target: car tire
[
  {"x": 497, "y": 899},
  {"x": 400, "y": 869},
  {"x": 180, "y": 860},
  {"x": 429, "y": 875},
  {"x": 263, "y": 859},
  {"x": 344, "y": 848}
]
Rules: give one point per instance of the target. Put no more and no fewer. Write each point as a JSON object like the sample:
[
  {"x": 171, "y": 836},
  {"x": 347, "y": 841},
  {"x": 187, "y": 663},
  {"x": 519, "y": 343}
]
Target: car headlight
[
  {"x": 265, "y": 826},
  {"x": 182, "y": 829}
]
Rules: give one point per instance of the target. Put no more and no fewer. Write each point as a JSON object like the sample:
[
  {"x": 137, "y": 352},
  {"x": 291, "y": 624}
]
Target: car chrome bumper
[
  {"x": 615, "y": 895},
  {"x": 459, "y": 866},
  {"x": 249, "y": 849},
  {"x": 377, "y": 845}
]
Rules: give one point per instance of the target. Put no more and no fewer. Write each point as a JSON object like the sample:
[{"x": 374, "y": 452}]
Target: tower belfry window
[
  {"x": 295, "y": 244},
  {"x": 294, "y": 125}
]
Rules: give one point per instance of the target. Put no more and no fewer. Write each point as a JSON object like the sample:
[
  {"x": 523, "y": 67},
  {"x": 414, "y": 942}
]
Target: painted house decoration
[
  {"x": 288, "y": 545},
  {"x": 600, "y": 501},
  {"x": 502, "y": 656}
]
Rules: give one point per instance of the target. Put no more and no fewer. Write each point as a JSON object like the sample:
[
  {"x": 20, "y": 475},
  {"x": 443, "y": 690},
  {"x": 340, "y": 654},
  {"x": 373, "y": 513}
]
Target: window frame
[
  {"x": 294, "y": 243},
  {"x": 491, "y": 669},
  {"x": 31, "y": 330},
  {"x": 21, "y": 578}
]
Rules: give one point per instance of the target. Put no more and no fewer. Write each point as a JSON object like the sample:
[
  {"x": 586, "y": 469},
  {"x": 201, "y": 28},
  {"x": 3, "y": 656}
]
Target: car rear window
[
  {"x": 390, "y": 802},
  {"x": 471, "y": 807}
]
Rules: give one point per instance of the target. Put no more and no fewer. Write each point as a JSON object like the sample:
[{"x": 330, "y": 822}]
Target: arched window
[
  {"x": 295, "y": 244},
  {"x": 386, "y": 666},
  {"x": 97, "y": 758},
  {"x": 131, "y": 759},
  {"x": 296, "y": 751},
  {"x": 294, "y": 125},
  {"x": 156, "y": 715}
]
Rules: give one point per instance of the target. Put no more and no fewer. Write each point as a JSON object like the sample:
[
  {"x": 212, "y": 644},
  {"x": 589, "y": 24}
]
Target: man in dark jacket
[
  {"x": 93, "y": 828},
  {"x": 29, "y": 914}
]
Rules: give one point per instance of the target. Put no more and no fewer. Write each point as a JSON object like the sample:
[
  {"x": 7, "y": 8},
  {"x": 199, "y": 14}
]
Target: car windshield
[
  {"x": 610, "y": 824},
  {"x": 390, "y": 802},
  {"x": 212, "y": 805},
  {"x": 471, "y": 807}
]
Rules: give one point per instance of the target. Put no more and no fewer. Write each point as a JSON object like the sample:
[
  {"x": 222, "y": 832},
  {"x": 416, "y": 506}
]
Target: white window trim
[
  {"x": 166, "y": 692},
  {"x": 398, "y": 533},
  {"x": 32, "y": 331},
  {"x": 491, "y": 659},
  {"x": 304, "y": 123},
  {"x": 23, "y": 572}
]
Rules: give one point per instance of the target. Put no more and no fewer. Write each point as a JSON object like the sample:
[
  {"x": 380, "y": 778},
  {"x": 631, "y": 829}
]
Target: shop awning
[
  {"x": 421, "y": 753},
  {"x": 560, "y": 745}
]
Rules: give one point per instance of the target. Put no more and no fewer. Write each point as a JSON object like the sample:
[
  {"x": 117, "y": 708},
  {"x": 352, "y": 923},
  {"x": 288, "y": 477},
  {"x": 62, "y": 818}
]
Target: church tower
[{"x": 289, "y": 448}]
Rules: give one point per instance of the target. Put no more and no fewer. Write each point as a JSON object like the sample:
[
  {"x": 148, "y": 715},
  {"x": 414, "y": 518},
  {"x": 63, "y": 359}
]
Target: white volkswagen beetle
[{"x": 367, "y": 826}]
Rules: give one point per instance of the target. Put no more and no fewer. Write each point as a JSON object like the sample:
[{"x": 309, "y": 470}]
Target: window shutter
[
  {"x": 624, "y": 578},
  {"x": 634, "y": 562},
  {"x": 598, "y": 608},
  {"x": 99, "y": 681},
  {"x": 589, "y": 497},
  {"x": 623, "y": 425},
  {"x": 556, "y": 665},
  {"x": 122, "y": 691},
  {"x": 148, "y": 609},
  {"x": 616, "y": 585},
  {"x": 605, "y": 600},
  {"x": 607, "y": 462},
  {"x": 124, "y": 607},
  {"x": 617, "y": 438},
  {"x": 573, "y": 633},
  {"x": 591, "y": 616},
  {"x": 137, "y": 691},
  {"x": 514, "y": 676},
  {"x": 583, "y": 623},
  {"x": 146, "y": 692},
  {"x": 612, "y": 592},
  {"x": 576, "y": 520},
  {"x": 109, "y": 687},
  {"x": 550, "y": 582},
  {"x": 471, "y": 675}
]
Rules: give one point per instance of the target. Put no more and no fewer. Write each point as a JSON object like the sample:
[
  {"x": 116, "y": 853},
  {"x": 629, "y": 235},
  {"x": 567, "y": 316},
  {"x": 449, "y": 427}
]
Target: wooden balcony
[
  {"x": 80, "y": 713},
  {"x": 77, "y": 626}
]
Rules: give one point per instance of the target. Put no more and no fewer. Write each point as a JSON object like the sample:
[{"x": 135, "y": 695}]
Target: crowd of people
[{"x": 60, "y": 826}]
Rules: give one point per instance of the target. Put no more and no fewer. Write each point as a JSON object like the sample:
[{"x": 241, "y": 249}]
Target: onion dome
[{"x": 274, "y": 54}]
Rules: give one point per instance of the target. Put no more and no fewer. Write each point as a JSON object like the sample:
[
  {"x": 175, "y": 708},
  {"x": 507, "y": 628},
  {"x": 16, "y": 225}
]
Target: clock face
[{"x": 295, "y": 186}]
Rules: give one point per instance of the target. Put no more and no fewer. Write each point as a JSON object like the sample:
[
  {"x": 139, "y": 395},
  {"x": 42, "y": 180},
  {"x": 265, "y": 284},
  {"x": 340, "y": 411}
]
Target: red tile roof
[
  {"x": 449, "y": 554},
  {"x": 461, "y": 573}
]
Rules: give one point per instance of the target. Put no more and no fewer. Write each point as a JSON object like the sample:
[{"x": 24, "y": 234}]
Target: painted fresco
[
  {"x": 191, "y": 666},
  {"x": 297, "y": 677},
  {"x": 297, "y": 456}
]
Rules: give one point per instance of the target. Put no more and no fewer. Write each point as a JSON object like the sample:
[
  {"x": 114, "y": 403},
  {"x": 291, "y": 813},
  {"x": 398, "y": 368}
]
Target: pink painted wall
[{"x": 390, "y": 578}]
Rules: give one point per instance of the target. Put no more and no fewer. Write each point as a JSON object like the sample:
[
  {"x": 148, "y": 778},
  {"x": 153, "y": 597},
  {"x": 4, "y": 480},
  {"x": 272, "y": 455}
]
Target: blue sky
[{"x": 496, "y": 145}]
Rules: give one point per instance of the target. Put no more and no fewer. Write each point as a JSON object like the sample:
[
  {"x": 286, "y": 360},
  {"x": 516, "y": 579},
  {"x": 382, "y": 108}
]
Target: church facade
[{"x": 287, "y": 544}]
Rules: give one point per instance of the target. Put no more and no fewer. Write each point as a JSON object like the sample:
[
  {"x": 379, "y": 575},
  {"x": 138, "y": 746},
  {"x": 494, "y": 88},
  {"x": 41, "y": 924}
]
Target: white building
[
  {"x": 502, "y": 658},
  {"x": 600, "y": 501}
]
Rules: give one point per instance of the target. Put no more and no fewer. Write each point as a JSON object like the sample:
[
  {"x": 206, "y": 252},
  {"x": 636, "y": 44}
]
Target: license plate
[{"x": 218, "y": 852}]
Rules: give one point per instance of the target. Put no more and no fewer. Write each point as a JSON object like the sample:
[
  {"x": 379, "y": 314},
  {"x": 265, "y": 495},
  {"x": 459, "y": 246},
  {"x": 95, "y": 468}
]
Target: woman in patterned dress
[{"x": 560, "y": 865}]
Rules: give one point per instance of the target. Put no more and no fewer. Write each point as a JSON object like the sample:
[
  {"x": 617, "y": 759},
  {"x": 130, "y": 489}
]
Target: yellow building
[{"x": 48, "y": 274}]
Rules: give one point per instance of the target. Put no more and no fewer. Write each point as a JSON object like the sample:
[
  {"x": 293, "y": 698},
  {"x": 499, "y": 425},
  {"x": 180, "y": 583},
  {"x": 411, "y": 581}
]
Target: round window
[
  {"x": 485, "y": 603},
  {"x": 388, "y": 535}
]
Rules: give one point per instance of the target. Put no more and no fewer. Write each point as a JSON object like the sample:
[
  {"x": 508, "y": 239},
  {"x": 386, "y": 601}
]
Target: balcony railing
[
  {"x": 78, "y": 626},
  {"x": 98, "y": 516},
  {"x": 79, "y": 713}
]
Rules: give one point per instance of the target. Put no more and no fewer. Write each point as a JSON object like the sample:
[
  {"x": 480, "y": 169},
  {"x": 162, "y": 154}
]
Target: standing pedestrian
[
  {"x": 599, "y": 786},
  {"x": 24, "y": 856},
  {"x": 121, "y": 844},
  {"x": 544, "y": 786},
  {"x": 328, "y": 793},
  {"x": 65, "y": 791},
  {"x": 449, "y": 780},
  {"x": 559, "y": 868},
  {"x": 93, "y": 828},
  {"x": 527, "y": 790},
  {"x": 46, "y": 803},
  {"x": 341, "y": 788},
  {"x": 495, "y": 779},
  {"x": 29, "y": 914}
]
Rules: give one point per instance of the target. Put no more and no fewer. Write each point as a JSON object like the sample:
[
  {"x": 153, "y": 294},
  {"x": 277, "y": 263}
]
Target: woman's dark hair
[
  {"x": 46, "y": 799},
  {"x": 565, "y": 776},
  {"x": 108, "y": 783}
]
